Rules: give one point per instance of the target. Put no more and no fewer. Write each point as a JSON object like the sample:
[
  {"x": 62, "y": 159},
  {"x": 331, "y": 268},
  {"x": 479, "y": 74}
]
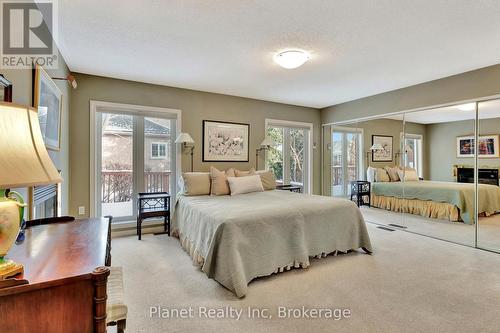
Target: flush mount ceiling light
[
  {"x": 291, "y": 59},
  {"x": 467, "y": 107}
]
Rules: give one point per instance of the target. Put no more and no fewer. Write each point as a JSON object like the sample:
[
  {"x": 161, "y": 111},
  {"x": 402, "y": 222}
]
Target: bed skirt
[
  {"x": 431, "y": 209},
  {"x": 198, "y": 260}
]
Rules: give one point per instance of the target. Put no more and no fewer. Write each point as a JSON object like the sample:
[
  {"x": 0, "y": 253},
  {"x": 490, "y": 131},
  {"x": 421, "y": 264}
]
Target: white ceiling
[
  {"x": 359, "y": 47},
  {"x": 486, "y": 110}
]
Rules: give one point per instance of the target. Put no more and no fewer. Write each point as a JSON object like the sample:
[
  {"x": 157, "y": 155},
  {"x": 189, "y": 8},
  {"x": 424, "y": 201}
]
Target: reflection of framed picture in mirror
[
  {"x": 488, "y": 146},
  {"x": 5, "y": 89},
  {"x": 384, "y": 155},
  {"x": 48, "y": 100}
]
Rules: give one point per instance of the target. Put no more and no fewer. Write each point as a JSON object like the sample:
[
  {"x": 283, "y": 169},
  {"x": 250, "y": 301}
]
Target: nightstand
[
  {"x": 361, "y": 189},
  {"x": 291, "y": 188},
  {"x": 151, "y": 205}
]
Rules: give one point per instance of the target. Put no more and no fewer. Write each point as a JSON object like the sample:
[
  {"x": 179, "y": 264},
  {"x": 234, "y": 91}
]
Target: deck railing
[
  {"x": 117, "y": 185},
  {"x": 337, "y": 176}
]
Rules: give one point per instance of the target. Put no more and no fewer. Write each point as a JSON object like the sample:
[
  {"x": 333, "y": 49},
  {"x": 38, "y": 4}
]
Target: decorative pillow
[
  {"x": 241, "y": 185},
  {"x": 393, "y": 173},
  {"x": 196, "y": 183},
  {"x": 371, "y": 174},
  {"x": 267, "y": 178},
  {"x": 219, "y": 185},
  {"x": 240, "y": 173},
  {"x": 410, "y": 175},
  {"x": 381, "y": 175}
]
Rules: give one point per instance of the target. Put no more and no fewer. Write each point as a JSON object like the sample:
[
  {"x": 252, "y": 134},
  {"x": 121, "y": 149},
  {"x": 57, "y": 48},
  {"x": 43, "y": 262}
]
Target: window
[
  {"x": 158, "y": 150},
  {"x": 290, "y": 158},
  {"x": 413, "y": 157}
]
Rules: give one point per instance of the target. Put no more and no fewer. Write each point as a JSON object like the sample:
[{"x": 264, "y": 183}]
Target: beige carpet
[
  {"x": 488, "y": 235},
  {"x": 411, "y": 284}
]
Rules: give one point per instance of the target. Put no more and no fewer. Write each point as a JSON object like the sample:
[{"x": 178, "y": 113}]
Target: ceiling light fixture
[
  {"x": 467, "y": 107},
  {"x": 291, "y": 59}
]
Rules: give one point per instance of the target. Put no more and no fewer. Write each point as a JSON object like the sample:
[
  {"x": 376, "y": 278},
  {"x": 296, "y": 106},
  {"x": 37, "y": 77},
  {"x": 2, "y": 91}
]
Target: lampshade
[
  {"x": 267, "y": 142},
  {"x": 24, "y": 161},
  {"x": 184, "y": 138},
  {"x": 377, "y": 147}
]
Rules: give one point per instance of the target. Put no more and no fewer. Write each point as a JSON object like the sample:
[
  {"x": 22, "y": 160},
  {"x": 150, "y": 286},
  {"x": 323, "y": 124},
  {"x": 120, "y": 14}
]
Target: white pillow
[
  {"x": 241, "y": 185},
  {"x": 370, "y": 174},
  {"x": 410, "y": 175}
]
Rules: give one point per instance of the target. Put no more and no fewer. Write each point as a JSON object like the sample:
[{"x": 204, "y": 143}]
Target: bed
[
  {"x": 443, "y": 200},
  {"x": 235, "y": 239}
]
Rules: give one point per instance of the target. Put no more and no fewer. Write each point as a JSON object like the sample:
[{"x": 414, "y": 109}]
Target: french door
[
  {"x": 134, "y": 152},
  {"x": 347, "y": 159},
  {"x": 289, "y": 158}
]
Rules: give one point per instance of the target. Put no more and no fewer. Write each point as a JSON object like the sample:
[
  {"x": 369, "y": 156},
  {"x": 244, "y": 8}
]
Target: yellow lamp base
[{"x": 9, "y": 269}]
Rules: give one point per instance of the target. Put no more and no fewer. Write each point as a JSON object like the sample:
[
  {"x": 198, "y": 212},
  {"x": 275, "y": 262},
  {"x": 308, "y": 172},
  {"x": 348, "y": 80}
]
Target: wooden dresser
[{"x": 64, "y": 265}]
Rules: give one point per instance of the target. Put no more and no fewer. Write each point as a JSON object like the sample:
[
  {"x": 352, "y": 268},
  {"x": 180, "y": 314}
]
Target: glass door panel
[
  {"x": 288, "y": 158},
  {"x": 296, "y": 152},
  {"x": 274, "y": 158},
  {"x": 353, "y": 159},
  {"x": 346, "y": 159},
  {"x": 117, "y": 165},
  {"x": 488, "y": 231},
  {"x": 338, "y": 183},
  {"x": 135, "y": 154},
  {"x": 157, "y": 155}
]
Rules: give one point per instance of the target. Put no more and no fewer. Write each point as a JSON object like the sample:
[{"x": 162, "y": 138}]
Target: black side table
[
  {"x": 361, "y": 189},
  {"x": 150, "y": 205},
  {"x": 291, "y": 188}
]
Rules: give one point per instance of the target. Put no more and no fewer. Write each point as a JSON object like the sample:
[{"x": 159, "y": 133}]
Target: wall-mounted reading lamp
[
  {"x": 264, "y": 146},
  {"x": 376, "y": 147},
  {"x": 187, "y": 142}
]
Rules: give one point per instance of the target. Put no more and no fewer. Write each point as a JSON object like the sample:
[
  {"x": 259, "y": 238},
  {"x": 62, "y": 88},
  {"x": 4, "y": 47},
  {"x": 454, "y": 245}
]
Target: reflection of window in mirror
[{"x": 411, "y": 145}]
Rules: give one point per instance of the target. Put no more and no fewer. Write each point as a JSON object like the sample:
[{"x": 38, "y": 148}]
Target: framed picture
[
  {"x": 5, "y": 89},
  {"x": 47, "y": 98},
  {"x": 225, "y": 142},
  {"x": 385, "y": 155},
  {"x": 488, "y": 146}
]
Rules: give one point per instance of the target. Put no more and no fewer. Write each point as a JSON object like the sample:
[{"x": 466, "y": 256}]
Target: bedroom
[{"x": 187, "y": 166}]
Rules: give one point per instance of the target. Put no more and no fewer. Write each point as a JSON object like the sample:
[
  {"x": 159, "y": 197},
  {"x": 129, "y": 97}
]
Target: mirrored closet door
[
  {"x": 438, "y": 158},
  {"x": 488, "y": 232},
  {"x": 382, "y": 138}
]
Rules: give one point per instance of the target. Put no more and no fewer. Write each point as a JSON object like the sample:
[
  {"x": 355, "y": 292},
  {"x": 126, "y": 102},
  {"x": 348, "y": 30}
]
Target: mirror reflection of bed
[{"x": 425, "y": 183}]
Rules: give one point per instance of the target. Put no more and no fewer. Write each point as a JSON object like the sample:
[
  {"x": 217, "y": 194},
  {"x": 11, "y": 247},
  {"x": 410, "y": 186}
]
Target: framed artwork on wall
[
  {"x": 488, "y": 146},
  {"x": 47, "y": 98},
  {"x": 385, "y": 155},
  {"x": 225, "y": 141}
]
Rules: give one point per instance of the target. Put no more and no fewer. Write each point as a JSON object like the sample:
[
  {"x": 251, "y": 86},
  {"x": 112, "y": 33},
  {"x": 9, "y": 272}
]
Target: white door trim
[{"x": 102, "y": 106}]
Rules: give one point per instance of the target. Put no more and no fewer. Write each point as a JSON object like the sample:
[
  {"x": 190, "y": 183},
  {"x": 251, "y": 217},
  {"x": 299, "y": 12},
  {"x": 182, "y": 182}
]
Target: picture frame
[
  {"x": 489, "y": 146},
  {"x": 225, "y": 141},
  {"x": 6, "y": 92},
  {"x": 386, "y": 141},
  {"x": 47, "y": 98}
]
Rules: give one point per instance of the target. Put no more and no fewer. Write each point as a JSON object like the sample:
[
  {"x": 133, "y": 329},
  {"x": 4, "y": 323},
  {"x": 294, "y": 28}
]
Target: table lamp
[
  {"x": 186, "y": 141},
  {"x": 24, "y": 162}
]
